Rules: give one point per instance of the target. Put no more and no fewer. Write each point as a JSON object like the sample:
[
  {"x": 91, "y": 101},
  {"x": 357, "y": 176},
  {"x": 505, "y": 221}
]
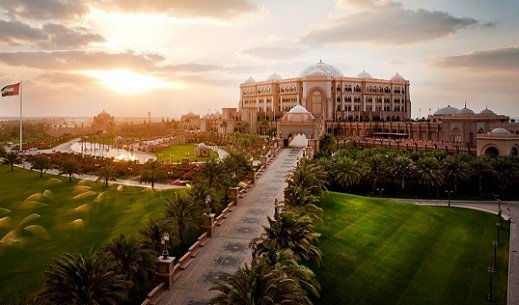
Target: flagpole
[{"x": 21, "y": 117}]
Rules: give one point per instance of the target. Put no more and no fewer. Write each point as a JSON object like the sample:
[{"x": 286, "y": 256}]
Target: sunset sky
[{"x": 131, "y": 57}]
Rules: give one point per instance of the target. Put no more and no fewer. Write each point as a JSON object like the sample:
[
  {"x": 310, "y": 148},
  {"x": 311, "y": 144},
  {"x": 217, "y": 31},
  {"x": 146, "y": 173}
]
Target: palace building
[{"x": 327, "y": 94}]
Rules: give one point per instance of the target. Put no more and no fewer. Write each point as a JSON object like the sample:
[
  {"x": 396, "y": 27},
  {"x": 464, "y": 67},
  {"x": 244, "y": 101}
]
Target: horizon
[{"x": 173, "y": 58}]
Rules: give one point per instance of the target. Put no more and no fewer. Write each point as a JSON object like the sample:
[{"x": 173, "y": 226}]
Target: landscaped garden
[
  {"x": 176, "y": 153},
  {"x": 41, "y": 218},
  {"x": 384, "y": 252}
]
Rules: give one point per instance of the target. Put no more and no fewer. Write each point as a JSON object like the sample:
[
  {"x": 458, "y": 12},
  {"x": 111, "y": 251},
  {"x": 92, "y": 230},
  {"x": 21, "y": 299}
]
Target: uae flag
[{"x": 11, "y": 90}]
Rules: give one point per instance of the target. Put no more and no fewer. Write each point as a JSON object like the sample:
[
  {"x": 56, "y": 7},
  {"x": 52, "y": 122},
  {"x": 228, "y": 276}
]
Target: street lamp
[
  {"x": 380, "y": 190},
  {"x": 164, "y": 241},
  {"x": 490, "y": 296},
  {"x": 498, "y": 226},
  {"x": 449, "y": 193},
  {"x": 208, "y": 204},
  {"x": 495, "y": 244}
]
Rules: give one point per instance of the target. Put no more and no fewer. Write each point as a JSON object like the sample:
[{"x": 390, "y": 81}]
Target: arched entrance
[
  {"x": 492, "y": 152},
  {"x": 515, "y": 151},
  {"x": 297, "y": 140}
]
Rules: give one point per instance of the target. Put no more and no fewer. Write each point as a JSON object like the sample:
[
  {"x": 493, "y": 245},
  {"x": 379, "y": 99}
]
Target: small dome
[
  {"x": 500, "y": 132},
  {"x": 397, "y": 78},
  {"x": 321, "y": 69},
  {"x": 364, "y": 74},
  {"x": 250, "y": 80},
  {"x": 446, "y": 111},
  {"x": 202, "y": 145},
  {"x": 274, "y": 76},
  {"x": 298, "y": 114},
  {"x": 487, "y": 111},
  {"x": 465, "y": 111}
]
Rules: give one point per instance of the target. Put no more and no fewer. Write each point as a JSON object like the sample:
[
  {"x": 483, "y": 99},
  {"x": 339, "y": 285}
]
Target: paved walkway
[
  {"x": 227, "y": 249},
  {"x": 509, "y": 210}
]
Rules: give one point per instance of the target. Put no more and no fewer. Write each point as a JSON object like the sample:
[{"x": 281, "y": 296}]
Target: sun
[{"x": 124, "y": 81}]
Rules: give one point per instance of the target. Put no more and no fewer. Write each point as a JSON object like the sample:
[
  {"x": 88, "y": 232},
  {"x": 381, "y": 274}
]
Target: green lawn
[
  {"x": 175, "y": 153},
  {"x": 384, "y": 252},
  {"x": 41, "y": 218}
]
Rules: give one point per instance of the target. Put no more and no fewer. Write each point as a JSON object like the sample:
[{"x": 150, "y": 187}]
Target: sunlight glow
[{"x": 125, "y": 81}]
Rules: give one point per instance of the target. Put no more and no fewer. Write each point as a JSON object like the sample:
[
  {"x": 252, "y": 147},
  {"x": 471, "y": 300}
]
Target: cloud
[
  {"x": 49, "y": 36},
  {"x": 219, "y": 9},
  {"x": 80, "y": 60},
  {"x": 44, "y": 9},
  {"x": 386, "y": 22},
  {"x": 191, "y": 67},
  {"x": 273, "y": 53},
  {"x": 14, "y": 32},
  {"x": 62, "y": 78},
  {"x": 503, "y": 59}
]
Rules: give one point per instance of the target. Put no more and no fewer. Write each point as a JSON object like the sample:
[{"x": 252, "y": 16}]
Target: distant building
[
  {"x": 190, "y": 121},
  {"x": 103, "y": 122}
]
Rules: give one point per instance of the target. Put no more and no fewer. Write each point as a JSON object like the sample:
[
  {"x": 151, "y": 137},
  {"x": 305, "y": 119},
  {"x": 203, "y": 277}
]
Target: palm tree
[
  {"x": 40, "y": 163},
  {"x": 480, "y": 167},
  {"x": 428, "y": 172},
  {"x": 131, "y": 259},
  {"x": 69, "y": 167},
  {"x": 506, "y": 172},
  {"x": 346, "y": 171},
  {"x": 238, "y": 167},
  {"x": 264, "y": 281},
  {"x": 310, "y": 175},
  {"x": 456, "y": 170},
  {"x": 77, "y": 280},
  {"x": 290, "y": 231},
  {"x": 212, "y": 174},
  {"x": 152, "y": 235},
  {"x": 327, "y": 144},
  {"x": 12, "y": 158},
  {"x": 184, "y": 214},
  {"x": 106, "y": 173},
  {"x": 152, "y": 173},
  {"x": 204, "y": 196},
  {"x": 374, "y": 169},
  {"x": 402, "y": 167}
]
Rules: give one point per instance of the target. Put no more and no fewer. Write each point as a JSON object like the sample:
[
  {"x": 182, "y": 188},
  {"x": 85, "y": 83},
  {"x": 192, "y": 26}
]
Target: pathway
[
  {"x": 509, "y": 210},
  {"x": 227, "y": 249}
]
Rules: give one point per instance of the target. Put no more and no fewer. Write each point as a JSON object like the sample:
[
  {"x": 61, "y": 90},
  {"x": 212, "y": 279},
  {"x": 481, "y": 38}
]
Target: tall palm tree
[
  {"x": 292, "y": 231},
  {"x": 40, "y": 163},
  {"x": 12, "y": 158},
  {"x": 152, "y": 235},
  {"x": 506, "y": 172},
  {"x": 428, "y": 172},
  {"x": 480, "y": 167},
  {"x": 327, "y": 144},
  {"x": 184, "y": 214},
  {"x": 204, "y": 196},
  {"x": 69, "y": 167},
  {"x": 308, "y": 174},
  {"x": 346, "y": 171},
  {"x": 374, "y": 169},
  {"x": 131, "y": 259},
  {"x": 152, "y": 173},
  {"x": 456, "y": 170},
  {"x": 402, "y": 167},
  {"x": 106, "y": 174},
  {"x": 212, "y": 173},
  {"x": 236, "y": 168},
  {"x": 77, "y": 280}
]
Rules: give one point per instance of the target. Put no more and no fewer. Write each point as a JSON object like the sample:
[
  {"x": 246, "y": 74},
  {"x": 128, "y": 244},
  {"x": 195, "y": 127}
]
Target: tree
[
  {"x": 402, "y": 167},
  {"x": 266, "y": 282},
  {"x": 289, "y": 231},
  {"x": 12, "y": 158},
  {"x": 40, "y": 163},
  {"x": 506, "y": 172},
  {"x": 204, "y": 196},
  {"x": 69, "y": 167},
  {"x": 428, "y": 172},
  {"x": 152, "y": 235},
  {"x": 212, "y": 174},
  {"x": 310, "y": 175},
  {"x": 106, "y": 174},
  {"x": 346, "y": 171},
  {"x": 3, "y": 153},
  {"x": 132, "y": 260},
  {"x": 184, "y": 214},
  {"x": 327, "y": 144},
  {"x": 456, "y": 170},
  {"x": 480, "y": 167},
  {"x": 374, "y": 169},
  {"x": 152, "y": 173},
  {"x": 77, "y": 280},
  {"x": 236, "y": 167}
]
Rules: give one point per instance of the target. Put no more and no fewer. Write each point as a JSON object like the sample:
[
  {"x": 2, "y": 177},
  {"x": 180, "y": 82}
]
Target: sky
[{"x": 168, "y": 57}]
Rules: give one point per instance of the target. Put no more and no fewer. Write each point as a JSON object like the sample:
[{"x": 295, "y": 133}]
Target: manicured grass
[
  {"x": 384, "y": 252},
  {"x": 66, "y": 217},
  {"x": 175, "y": 153}
]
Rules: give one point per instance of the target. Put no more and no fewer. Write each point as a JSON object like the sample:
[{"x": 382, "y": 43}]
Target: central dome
[
  {"x": 321, "y": 69},
  {"x": 298, "y": 114}
]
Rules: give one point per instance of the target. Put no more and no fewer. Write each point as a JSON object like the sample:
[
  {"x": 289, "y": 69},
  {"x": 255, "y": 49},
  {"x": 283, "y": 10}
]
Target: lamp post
[
  {"x": 449, "y": 193},
  {"x": 498, "y": 227},
  {"x": 380, "y": 190},
  {"x": 164, "y": 241},
  {"x": 490, "y": 296},
  {"x": 208, "y": 204},
  {"x": 495, "y": 244}
]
